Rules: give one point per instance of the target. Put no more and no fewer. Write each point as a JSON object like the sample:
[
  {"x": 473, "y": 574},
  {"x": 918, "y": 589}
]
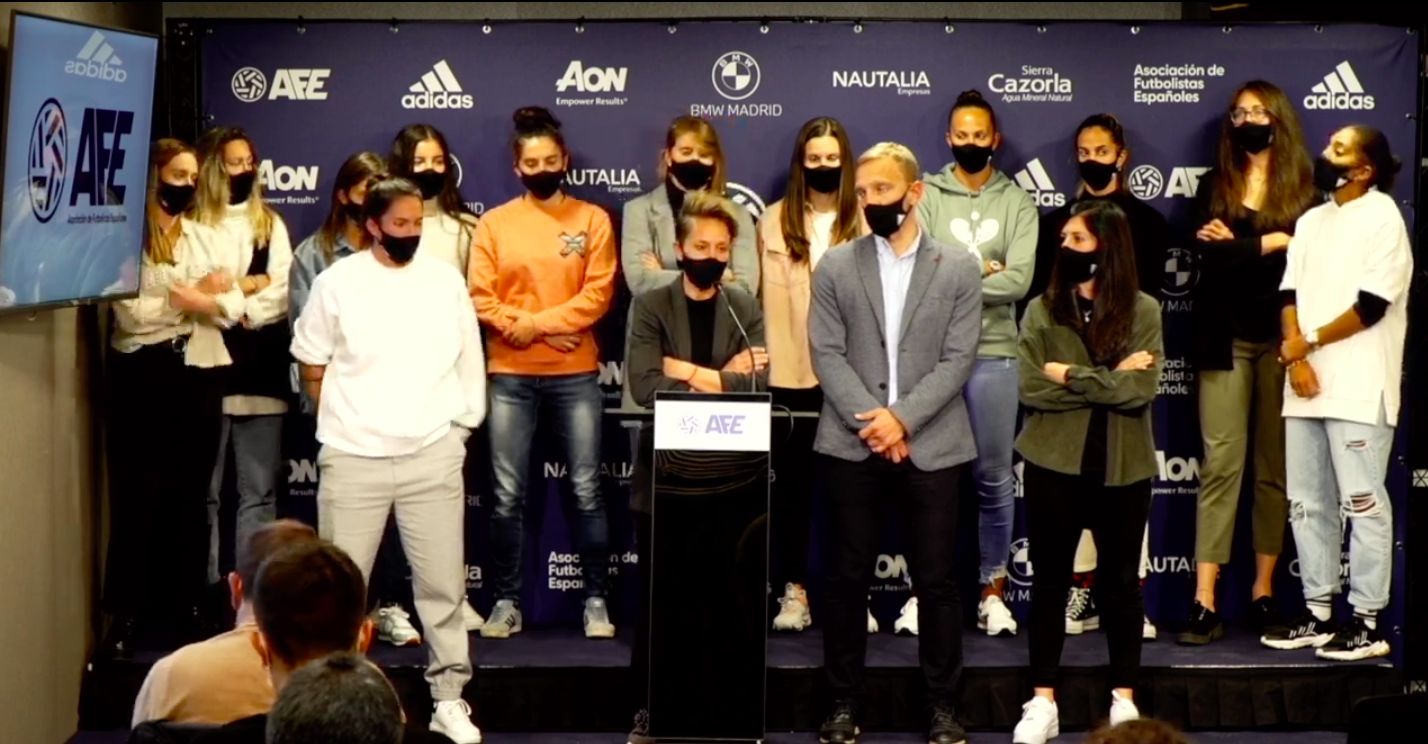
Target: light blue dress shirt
[{"x": 896, "y": 275}]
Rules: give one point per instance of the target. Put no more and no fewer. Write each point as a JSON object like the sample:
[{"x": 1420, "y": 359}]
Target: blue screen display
[{"x": 77, "y": 133}]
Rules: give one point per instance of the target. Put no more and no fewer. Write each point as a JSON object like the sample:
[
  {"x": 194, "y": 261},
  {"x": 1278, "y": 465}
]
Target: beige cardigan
[{"x": 787, "y": 292}]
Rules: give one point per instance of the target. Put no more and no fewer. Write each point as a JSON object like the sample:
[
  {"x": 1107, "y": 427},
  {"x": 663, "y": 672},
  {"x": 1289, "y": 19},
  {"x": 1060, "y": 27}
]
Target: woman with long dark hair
[
  {"x": 165, "y": 407},
  {"x": 342, "y": 232},
  {"x": 258, "y": 386},
  {"x": 542, "y": 275},
  {"x": 421, "y": 155},
  {"x": 819, "y": 210},
  {"x": 1245, "y": 210},
  {"x": 1090, "y": 355}
]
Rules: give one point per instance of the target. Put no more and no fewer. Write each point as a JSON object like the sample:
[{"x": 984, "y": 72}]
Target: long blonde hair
[
  {"x": 157, "y": 245},
  {"x": 213, "y": 184},
  {"x": 708, "y": 137}
]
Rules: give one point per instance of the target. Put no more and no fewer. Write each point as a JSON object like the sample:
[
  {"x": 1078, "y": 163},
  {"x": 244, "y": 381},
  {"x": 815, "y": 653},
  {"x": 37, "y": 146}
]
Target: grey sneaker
[
  {"x": 505, "y": 621},
  {"x": 597, "y": 619}
]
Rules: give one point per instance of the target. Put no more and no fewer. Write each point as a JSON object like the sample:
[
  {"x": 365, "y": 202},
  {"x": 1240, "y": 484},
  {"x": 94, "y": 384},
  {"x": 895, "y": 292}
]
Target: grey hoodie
[{"x": 999, "y": 223}]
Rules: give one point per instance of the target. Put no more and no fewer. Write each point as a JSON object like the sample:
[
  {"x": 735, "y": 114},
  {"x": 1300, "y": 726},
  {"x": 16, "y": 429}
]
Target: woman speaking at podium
[{"x": 688, "y": 335}]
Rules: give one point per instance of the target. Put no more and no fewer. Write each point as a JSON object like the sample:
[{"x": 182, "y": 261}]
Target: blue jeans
[
  {"x": 1335, "y": 472},
  {"x": 573, "y": 403},
  {"x": 257, "y": 460},
  {"x": 991, "y": 395}
]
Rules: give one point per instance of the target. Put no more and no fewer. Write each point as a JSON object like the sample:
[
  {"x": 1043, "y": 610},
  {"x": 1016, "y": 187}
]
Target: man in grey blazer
[{"x": 894, "y": 328}]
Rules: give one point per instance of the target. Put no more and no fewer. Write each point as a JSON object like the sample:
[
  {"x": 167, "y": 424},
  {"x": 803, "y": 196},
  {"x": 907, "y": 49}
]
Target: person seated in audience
[
  {"x": 340, "y": 699},
  {"x": 223, "y": 678},
  {"x": 1139, "y": 731},
  {"x": 309, "y": 601}
]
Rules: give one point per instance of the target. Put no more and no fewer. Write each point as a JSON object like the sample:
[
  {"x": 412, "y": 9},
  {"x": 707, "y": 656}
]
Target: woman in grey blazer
[{"x": 692, "y": 162}]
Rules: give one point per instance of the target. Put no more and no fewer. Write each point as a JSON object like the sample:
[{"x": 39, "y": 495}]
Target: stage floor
[{"x": 556, "y": 680}]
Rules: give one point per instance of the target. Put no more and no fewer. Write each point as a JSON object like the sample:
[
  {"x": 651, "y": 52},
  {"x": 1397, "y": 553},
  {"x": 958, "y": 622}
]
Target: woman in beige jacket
[{"x": 819, "y": 211}]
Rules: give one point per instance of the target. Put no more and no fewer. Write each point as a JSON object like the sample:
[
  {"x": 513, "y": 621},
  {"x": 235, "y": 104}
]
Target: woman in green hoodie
[{"x": 973, "y": 205}]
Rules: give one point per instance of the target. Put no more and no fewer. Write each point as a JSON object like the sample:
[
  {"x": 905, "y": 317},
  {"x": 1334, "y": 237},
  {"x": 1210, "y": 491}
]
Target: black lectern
[{"x": 709, "y": 567}]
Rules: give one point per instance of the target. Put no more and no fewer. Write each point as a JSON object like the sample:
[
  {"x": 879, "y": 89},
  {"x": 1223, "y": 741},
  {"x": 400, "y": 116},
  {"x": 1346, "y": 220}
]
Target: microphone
[{"x": 753, "y": 376}]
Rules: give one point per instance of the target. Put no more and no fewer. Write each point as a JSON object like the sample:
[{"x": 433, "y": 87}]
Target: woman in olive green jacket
[{"x": 1090, "y": 354}]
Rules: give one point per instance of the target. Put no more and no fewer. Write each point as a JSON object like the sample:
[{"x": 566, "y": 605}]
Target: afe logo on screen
[
  {"x": 49, "y": 153},
  {"x": 101, "y": 157},
  {"x": 736, "y": 75}
]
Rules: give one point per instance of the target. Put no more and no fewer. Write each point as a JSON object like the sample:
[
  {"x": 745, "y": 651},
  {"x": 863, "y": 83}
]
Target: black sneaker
[
  {"x": 944, "y": 728},
  {"x": 1081, "y": 612},
  {"x": 841, "y": 726},
  {"x": 1204, "y": 626},
  {"x": 1265, "y": 617},
  {"x": 1304, "y": 632},
  {"x": 1354, "y": 642}
]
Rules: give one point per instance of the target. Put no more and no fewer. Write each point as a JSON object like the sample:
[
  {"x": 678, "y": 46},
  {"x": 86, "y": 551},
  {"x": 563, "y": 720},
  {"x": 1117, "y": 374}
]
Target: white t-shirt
[
  {"x": 1338, "y": 251},
  {"x": 820, "y": 235},
  {"x": 446, "y": 238},
  {"x": 402, "y": 351}
]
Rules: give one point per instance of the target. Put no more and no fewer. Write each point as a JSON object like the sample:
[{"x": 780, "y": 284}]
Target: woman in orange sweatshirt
[{"x": 542, "y": 273}]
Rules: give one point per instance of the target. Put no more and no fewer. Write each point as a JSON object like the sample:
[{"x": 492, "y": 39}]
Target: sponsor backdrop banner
[{"x": 310, "y": 95}]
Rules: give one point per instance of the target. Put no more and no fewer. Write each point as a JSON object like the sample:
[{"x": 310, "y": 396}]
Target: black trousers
[
  {"x": 791, "y": 493},
  {"x": 163, "y": 423},
  {"x": 1058, "y": 507},
  {"x": 860, "y": 495}
]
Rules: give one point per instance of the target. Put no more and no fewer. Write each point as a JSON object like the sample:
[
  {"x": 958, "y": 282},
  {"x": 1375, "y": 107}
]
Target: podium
[{"x": 709, "y": 567}]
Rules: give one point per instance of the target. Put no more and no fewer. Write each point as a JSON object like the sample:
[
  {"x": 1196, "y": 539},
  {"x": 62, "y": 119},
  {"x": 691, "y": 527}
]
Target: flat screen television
[{"x": 78, "y": 111}]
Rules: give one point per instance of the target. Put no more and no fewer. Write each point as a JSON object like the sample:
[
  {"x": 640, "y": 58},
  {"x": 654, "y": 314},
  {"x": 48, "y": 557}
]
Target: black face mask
[
  {"x": 703, "y": 272},
  {"x": 544, "y": 184},
  {"x": 1252, "y": 138},
  {"x": 175, "y": 200},
  {"x": 431, "y": 182},
  {"x": 885, "y": 219},
  {"x": 400, "y": 250},
  {"x": 1077, "y": 267},
  {"x": 1096, "y": 174},
  {"x": 972, "y": 158},
  {"x": 1329, "y": 177},
  {"x": 353, "y": 211},
  {"x": 692, "y": 174},
  {"x": 240, "y": 187},
  {"x": 823, "y": 180}
]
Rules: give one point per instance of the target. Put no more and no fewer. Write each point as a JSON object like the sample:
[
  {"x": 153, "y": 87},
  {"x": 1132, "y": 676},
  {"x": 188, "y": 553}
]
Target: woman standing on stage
[
  {"x": 420, "y": 154},
  {"x": 1090, "y": 355}
]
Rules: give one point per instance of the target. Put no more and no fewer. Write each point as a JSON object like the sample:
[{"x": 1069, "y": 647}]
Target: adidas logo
[
  {"x": 438, "y": 89},
  {"x": 1340, "y": 91},
  {"x": 97, "y": 60},
  {"x": 1034, "y": 180}
]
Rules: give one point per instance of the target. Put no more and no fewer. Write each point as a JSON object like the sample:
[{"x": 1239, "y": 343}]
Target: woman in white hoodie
[{"x": 257, "y": 388}]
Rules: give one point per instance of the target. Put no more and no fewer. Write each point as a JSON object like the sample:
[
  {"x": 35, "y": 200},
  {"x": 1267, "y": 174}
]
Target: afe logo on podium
[{"x": 712, "y": 425}]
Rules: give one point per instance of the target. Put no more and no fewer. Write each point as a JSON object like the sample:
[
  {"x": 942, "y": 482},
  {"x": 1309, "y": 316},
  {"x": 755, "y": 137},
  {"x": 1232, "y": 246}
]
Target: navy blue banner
[{"x": 310, "y": 95}]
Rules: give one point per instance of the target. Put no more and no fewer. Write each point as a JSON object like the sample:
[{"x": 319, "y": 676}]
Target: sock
[
  {"x": 1083, "y": 580},
  {"x": 1369, "y": 617},
  {"x": 1322, "y": 609}
]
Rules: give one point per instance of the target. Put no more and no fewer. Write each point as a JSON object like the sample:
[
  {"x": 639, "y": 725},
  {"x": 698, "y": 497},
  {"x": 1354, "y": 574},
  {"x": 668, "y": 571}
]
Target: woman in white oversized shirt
[
  {"x": 257, "y": 388},
  {"x": 164, "y": 409}
]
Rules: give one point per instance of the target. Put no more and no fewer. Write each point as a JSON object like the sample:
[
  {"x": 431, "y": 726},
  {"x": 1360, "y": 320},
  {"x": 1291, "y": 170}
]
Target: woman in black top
[
  {"x": 1102, "y": 157},
  {"x": 1245, "y": 209}
]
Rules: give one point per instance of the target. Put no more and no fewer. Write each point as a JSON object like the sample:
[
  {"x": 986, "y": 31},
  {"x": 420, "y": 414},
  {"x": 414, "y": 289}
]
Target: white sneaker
[
  {"x": 995, "y": 617},
  {"x": 452, "y": 719},
  {"x": 505, "y": 621},
  {"x": 793, "y": 614},
  {"x": 906, "y": 623},
  {"x": 471, "y": 617},
  {"x": 1081, "y": 612},
  {"x": 1040, "y": 722},
  {"x": 872, "y": 623},
  {"x": 1122, "y": 709},
  {"x": 1148, "y": 631},
  {"x": 394, "y": 626},
  {"x": 597, "y": 619}
]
